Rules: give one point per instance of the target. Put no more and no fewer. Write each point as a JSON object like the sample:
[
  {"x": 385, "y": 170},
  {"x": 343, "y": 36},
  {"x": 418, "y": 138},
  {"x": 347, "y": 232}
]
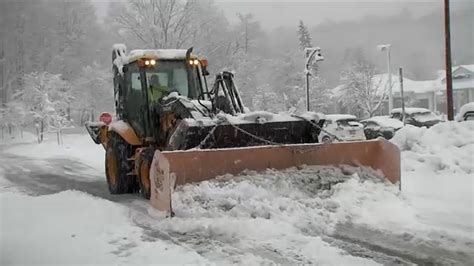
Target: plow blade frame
[{"x": 181, "y": 167}]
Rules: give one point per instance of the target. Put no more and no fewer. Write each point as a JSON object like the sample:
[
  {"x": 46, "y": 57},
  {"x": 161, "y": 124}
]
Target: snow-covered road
[{"x": 55, "y": 205}]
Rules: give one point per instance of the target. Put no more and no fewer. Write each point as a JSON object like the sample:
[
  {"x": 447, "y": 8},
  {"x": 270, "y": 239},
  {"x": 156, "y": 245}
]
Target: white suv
[{"x": 344, "y": 127}]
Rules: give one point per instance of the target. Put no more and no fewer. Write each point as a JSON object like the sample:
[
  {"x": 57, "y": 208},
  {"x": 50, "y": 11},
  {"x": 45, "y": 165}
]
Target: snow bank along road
[{"x": 55, "y": 209}]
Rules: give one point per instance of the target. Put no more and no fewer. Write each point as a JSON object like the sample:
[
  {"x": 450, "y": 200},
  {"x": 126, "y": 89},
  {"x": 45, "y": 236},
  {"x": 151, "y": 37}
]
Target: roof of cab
[
  {"x": 122, "y": 58},
  {"x": 166, "y": 54}
]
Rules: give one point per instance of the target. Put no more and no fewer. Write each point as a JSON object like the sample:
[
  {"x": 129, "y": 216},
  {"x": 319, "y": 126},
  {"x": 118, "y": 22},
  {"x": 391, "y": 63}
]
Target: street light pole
[
  {"x": 386, "y": 47},
  {"x": 390, "y": 96},
  {"x": 310, "y": 53},
  {"x": 307, "y": 88}
]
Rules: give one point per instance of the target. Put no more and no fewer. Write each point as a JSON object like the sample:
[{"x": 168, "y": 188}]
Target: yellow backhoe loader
[{"x": 170, "y": 129}]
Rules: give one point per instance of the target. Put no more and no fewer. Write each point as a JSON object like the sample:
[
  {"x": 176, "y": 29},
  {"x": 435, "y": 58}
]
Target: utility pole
[
  {"x": 310, "y": 53},
  {"x": 400, "y": 74},
  {"x": 386, "y": 48},
  {"x": 449, "y": 78}
]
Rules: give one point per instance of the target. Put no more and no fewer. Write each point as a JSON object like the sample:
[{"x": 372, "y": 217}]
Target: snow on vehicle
[
  {"x": 381, "y": 126},
  {"x": 171, "y": 129},
  {"x": 343, "y": 127},
  {"x": 466, "y": 112},
  {"x": 419, "y": 117}
]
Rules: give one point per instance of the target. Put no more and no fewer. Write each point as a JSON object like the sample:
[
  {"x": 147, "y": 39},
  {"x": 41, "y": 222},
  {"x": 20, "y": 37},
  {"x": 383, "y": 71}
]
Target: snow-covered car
[
  {"x": 466, "y": 112},
  {"x": 419, "y": 117},
  {"x": 381, "y": 126},
  {"x": 344, "y": 127}
]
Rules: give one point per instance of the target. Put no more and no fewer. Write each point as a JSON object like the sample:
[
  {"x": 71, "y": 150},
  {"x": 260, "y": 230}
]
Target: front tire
[
  {"x": 142, "y": 168},
  {"x": 117, "y": 165}
]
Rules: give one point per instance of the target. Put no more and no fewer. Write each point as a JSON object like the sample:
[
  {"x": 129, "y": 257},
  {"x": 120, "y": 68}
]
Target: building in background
[
  {"x": 463, "y": 85},
  {"x": 430, "y": 94}
]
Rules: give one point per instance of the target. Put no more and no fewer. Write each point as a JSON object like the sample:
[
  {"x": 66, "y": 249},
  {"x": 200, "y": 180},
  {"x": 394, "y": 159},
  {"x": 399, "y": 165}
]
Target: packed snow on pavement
[{"x": 284, "y": 217}]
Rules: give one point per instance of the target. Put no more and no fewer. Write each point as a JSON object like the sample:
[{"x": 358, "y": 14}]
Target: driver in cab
[{"x": 156, "y": 91}]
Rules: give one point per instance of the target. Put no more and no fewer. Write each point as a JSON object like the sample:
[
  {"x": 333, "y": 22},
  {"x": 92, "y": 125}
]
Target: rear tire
[{"x": 117, "y": 165}]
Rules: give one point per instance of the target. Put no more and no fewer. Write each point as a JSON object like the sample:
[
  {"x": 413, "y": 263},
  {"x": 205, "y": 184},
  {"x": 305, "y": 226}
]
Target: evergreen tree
[{"x": 303, "y": 36}]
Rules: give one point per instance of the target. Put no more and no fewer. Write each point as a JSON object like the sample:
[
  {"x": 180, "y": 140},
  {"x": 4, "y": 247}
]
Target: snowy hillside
[{"x": 56, "y": 210}]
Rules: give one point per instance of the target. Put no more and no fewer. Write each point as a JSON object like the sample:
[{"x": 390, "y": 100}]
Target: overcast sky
[
  {"x": 273, "y": 14},
  {"x": 276, "y": 13}
]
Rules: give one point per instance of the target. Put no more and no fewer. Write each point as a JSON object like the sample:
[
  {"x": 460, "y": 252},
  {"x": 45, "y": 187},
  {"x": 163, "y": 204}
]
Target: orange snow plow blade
[{"x": 172, "y": 168}]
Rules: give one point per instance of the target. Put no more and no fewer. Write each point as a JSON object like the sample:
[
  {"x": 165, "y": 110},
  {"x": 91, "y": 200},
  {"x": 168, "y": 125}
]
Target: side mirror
[
  {"x": 204, "y": 71},
  {"x": 204, "y": 64}
]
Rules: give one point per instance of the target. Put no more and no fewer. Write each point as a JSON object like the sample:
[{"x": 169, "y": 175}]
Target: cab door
[{"x": 135, "y": 102}]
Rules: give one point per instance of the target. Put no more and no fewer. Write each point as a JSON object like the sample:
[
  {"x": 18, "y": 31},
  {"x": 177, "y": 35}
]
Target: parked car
[
  {"x": 466, "y": 112},
  {"x": 344, "y": 127},
  {"x": 419, "y": 117},
  {"x": 381, "y": 126}
]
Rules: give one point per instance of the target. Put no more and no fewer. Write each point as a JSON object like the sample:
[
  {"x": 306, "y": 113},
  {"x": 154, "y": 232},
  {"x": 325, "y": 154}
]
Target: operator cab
[
  {"x": 166, "y": 70},
  {"x": 144, "y": 78}
]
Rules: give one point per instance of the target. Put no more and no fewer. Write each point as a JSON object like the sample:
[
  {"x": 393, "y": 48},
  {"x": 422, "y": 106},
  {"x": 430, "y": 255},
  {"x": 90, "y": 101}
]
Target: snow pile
[
  {"x": 75, "y": 228},
  {"x": 300, "y": 197},
  {"x": 446, "y": 147},
  {"x": 437, "y": 174},
  {"x": 281, "y": 212}
]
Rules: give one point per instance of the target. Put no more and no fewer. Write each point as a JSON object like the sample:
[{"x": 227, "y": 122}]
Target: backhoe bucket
[{"x": 170, "y": 168}]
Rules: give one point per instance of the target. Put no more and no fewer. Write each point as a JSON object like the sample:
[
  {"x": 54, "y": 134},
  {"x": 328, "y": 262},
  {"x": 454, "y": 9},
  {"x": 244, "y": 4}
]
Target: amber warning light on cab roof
[{"x": 146, "y": 62}]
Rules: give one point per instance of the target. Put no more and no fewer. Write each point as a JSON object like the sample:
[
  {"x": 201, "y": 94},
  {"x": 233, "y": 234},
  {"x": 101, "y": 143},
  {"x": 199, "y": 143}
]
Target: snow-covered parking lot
[{"x": 55, "y": 209}]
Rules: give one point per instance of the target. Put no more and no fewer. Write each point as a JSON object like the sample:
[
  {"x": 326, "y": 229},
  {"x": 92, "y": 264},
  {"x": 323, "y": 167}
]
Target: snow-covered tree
[
  {"x": 12, "y": 47},
  {"x": 37, "y": 36},
  {"x": 267, "y": 99},
  {"x": 303, "y": 36},
  {"x": 75, "y": 38},
  {"x": 212, "y": 36},
  {"x": 93, "y": 92},
  {"x": 46, "y": 98},
  {"x": 247, "y": 31},
  {"x": 245, "y": 68},
  {"x": 280, "y": 75},
  {"x": 156, "y": 23},
  {"x": 320, "y": 94},
  {"x": 361, "y": 90},
  {"x": 12, "y": 116}
]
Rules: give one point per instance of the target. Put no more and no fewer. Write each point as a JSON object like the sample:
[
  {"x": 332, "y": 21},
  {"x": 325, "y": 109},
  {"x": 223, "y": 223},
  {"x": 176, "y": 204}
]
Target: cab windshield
[{"x": 171, "y": 76}]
